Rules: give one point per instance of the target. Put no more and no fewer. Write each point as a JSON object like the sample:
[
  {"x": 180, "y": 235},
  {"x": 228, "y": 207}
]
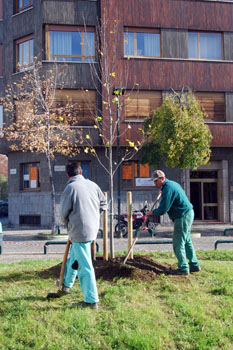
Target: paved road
[{"x": 22, "y": 245}]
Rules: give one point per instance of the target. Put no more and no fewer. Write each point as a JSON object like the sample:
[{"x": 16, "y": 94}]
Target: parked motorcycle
[{"x": 139, "y": 216}]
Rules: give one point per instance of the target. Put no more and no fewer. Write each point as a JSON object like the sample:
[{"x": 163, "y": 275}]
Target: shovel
[
  {"x": 59, "y": 292},
  {"x": 141, "y": 228}
]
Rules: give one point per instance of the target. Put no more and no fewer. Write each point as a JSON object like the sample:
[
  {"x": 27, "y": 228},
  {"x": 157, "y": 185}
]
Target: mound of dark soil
[{"x": 143, "y": 268}]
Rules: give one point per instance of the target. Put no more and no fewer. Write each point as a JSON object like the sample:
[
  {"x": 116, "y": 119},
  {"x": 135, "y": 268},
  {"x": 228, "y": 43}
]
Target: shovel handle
[
  {"x": 143, "y": 225},
  {"x": 64, "y": 264}
]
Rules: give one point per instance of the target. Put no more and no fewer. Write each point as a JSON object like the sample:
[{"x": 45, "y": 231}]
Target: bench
[
  {"x": 226, "y": 230},
  {"x": 220, "y": 241},
  {"x": 60, "y": 242},
  {"x": 169, "y": 241}
]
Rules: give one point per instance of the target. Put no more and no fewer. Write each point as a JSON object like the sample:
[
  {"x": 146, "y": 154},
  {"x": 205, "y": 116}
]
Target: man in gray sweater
[{"x": 81, "y": 204}]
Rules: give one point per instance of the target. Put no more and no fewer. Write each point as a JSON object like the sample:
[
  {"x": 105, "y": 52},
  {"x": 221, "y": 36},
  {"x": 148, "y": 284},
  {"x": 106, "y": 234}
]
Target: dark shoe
[
  {"x": 179, "y": 272},
  {"x": 93, "y": 306},
  {"x": 195, "y": 269},
  {"x": 58, "y": 294}
]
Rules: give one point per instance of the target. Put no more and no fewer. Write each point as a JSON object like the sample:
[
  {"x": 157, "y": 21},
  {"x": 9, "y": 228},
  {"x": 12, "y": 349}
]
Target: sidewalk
[{"x": 28, "y": 244}]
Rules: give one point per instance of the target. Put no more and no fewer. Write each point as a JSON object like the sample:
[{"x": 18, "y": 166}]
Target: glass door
[{"x": 204, "y": 195}]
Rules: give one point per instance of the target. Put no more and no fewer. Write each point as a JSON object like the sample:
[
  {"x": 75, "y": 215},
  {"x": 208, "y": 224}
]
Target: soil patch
[{"x": 142, "y": 267}]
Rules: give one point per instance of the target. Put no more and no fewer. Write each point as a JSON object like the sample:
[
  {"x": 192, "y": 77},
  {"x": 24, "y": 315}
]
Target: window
[
  {"x": 141, "y": 44},
  {"x": 1, "y": 119},
  {"x": 23, "y": 4},
  {"x": 140, "y": 105},
  {"x": 24, "y": 53},
  {"x": 213, "y": 103},
  {"x": 70, "y": 44},
  {"x": 135, "y": 174},
  {"x": 86, "y": 168},
  {"x": 31, "y": 176},
  {"x": 205, "y": 45},
  {"x": 81, "y": 104}
]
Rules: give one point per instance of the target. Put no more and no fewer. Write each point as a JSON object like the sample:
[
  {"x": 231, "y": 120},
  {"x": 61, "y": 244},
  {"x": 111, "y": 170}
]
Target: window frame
[
  {"x": 198, "y": 46},
  {"x": 79, "y": 29},
  {"x": 137, "y": 118},
  {"x": 214, "y": 98},
  {"x": 136, "y": 168},
  {"x": 63, "y": 95},
  {"x": 145, "y": 31},
  {"x": 28, "y": 38},
  {"x": 38, "y": 182},
  {"x": 23, "y": 8}
]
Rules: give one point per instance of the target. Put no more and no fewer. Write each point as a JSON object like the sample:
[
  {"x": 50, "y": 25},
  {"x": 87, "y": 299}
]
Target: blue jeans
[
  {"x": 182, "y": 244},
  {"x": 81, "y": 251}
]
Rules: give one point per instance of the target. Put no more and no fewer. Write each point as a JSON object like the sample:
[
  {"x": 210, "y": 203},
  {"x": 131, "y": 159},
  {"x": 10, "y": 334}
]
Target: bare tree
[
  {"x": 112, "y": 90},
  {"x": 38, "y": 122}
]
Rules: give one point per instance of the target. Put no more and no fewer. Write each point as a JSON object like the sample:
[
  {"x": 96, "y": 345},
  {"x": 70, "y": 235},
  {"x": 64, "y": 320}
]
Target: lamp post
[{"x": 118, "y": 91}]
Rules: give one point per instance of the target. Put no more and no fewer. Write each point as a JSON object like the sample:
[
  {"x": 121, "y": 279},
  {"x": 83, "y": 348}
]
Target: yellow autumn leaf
[
  {"x": 131, "y": 143},
  {"x": 95, "y": 126},
  {"x": 86, "y": 150},
  {"x": 87, "y": 136},
  {"x": 113, "y": 74},
  {"x": 107, "y": 144}
]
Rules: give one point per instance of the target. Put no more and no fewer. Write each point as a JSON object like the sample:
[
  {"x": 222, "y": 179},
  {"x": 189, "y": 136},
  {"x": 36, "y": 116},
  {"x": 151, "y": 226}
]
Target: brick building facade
[{"x": 164, "y": 43}]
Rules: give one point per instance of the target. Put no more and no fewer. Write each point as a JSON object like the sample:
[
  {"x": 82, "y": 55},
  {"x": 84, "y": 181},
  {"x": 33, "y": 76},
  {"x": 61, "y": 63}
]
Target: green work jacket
[{"x": 173, "y": 201}]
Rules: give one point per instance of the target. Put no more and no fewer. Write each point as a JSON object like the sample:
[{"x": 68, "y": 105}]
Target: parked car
[{"x": 3, "y": 208}]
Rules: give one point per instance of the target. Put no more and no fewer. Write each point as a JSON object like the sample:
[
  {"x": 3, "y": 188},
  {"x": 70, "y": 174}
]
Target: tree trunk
[
  {"x": 53, "y": 232},
  {"x": 112, "y": 253}
]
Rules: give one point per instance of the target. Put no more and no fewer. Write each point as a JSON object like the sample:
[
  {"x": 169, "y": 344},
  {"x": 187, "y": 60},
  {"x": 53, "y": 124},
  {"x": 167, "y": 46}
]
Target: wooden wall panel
[
  {"x": 222, "y": 134},
  {"x": 174, "y": 43},
  {"x": 162, "y": 74},
  {"x": 172, "y": 13},
  {"x": 70, "y": 12}
]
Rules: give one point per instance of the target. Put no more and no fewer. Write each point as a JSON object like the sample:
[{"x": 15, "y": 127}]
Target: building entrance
[{"x": 204, "y": 194}]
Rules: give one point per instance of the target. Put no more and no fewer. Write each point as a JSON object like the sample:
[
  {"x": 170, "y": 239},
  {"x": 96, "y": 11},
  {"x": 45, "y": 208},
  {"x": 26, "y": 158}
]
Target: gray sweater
[{"x": 81, "y": 204}]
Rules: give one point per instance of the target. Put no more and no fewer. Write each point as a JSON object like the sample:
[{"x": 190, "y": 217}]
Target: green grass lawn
[{"x": 193, "y": 312}]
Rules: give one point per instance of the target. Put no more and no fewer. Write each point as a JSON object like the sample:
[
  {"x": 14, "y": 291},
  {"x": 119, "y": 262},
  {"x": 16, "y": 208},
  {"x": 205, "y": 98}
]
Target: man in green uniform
[{"x": 175, "y": 202}]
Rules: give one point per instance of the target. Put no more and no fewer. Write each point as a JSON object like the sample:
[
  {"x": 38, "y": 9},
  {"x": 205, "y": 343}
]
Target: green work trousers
[{"x": 182, "y": 244}]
